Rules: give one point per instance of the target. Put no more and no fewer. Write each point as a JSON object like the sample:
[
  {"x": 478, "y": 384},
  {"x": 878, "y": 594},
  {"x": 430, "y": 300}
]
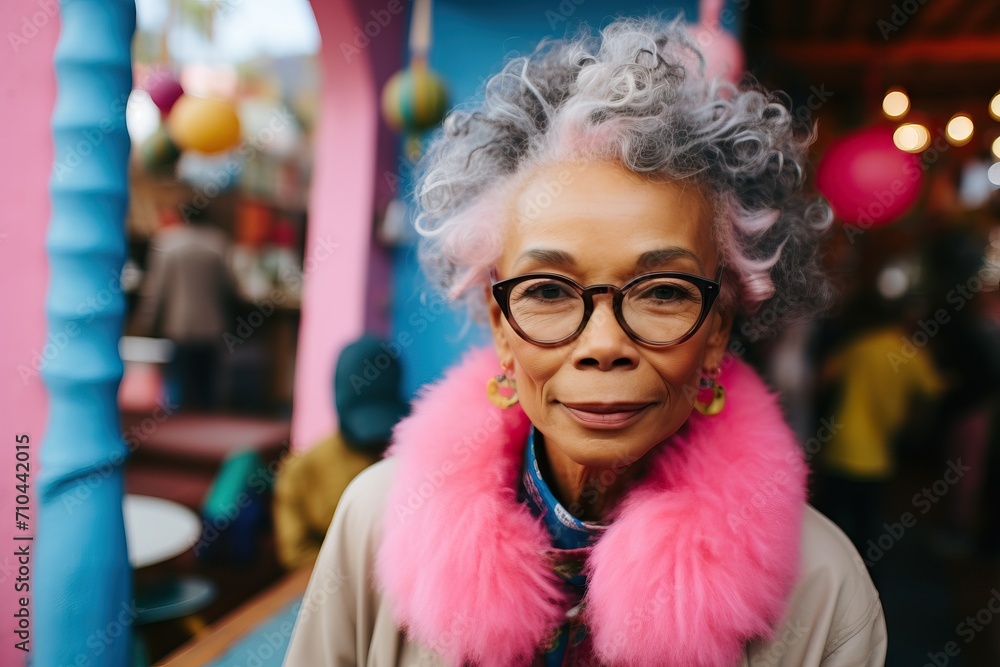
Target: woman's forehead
[{"x": 599, "y": 213}]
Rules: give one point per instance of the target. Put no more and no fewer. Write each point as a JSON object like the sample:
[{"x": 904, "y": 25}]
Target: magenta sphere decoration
[
  {"x": 164, "y": 92},
  {"x": 867, "y": 180}
]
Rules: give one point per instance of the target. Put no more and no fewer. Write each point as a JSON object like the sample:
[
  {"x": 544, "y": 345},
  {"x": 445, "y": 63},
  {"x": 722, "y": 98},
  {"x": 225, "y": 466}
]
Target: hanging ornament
[
  {"x": 159, "y": 152},
  {"x": 415, "y": 99},
  {"x": 721, "y": 50},
  {"x": 164, "y": 89},
  {"x": 867, "y": 180},
  {"x": 204, "y": 125}
]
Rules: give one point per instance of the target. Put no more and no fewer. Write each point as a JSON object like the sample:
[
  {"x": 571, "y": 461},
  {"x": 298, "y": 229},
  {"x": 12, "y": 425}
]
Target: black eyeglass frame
[{"x": 709, "y": 292}]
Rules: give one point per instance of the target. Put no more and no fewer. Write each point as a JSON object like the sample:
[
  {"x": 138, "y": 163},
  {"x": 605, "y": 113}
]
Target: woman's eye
[
  {"x": 546, "y": 292},
  {"x": 667, "y": 293}
]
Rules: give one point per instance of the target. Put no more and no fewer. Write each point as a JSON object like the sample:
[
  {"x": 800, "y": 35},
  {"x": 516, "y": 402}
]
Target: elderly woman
[{"x": 607, "y": 486}]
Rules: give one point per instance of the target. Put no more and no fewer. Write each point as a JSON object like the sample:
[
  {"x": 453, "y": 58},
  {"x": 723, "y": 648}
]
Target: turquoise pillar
[{"x": 82, "y": 606}]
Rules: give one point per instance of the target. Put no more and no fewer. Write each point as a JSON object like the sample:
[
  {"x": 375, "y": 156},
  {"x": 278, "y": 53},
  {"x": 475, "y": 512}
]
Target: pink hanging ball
[
  {"x": 867, "y": 180},
  {"x": 164, "y": 92},
  {"x": 722, "y": 51}
]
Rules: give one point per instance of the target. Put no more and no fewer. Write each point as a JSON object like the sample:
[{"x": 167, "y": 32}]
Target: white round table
[{"x": 157, "y": 530}]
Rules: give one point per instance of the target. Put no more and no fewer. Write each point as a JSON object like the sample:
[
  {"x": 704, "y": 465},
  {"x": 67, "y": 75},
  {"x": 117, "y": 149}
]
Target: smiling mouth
[{"x": 606, "y": 415}]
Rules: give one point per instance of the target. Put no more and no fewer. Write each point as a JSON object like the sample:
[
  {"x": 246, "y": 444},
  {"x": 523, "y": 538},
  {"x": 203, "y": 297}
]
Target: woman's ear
[
  {"x": 500, "y": 341},
  {"x": 720, "y": 325}
]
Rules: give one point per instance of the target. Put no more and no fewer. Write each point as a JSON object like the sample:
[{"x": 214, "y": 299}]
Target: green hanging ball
[
  {"x": 159, "y": 151},
  {"x": 414, "y": 100}
]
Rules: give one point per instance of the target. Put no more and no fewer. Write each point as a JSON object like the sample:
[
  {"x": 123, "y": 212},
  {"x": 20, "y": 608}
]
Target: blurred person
[
  {"x": 988, "y": 538},
  {"x": 967, "y": 349},
  {"x": 187, "y": 296},
  {"x": 606, "y": 485},
  {"x": 368, "y": 402},
  {"x": 878, "y": 383}
]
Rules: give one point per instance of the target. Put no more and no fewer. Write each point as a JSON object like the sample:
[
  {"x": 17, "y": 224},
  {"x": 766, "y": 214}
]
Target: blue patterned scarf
[{"x": 572, "y": 540}]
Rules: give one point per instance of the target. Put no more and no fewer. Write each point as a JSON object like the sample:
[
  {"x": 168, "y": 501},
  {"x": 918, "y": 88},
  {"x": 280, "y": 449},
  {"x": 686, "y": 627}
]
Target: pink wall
[
  {"x": 338, "y": 247},
  {"x": 27, "y": 88}
]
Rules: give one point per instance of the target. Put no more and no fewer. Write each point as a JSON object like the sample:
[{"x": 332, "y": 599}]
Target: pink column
[
  {"x": 27, "y": 83},
  {"x": 340, "y": 212}
]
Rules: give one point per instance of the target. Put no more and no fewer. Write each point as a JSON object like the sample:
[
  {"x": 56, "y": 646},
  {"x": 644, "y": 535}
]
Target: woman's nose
[{"x": 603, "y": 344}]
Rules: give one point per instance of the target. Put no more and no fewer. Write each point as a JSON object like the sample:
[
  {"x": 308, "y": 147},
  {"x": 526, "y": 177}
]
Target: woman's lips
[{"x": 606, "y": 415}]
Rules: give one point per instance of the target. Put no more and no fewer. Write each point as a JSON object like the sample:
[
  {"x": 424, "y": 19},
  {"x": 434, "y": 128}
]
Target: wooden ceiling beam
[
  {"x": 822, "y": 19},
  {"x": 954, "y": 51},
  {"x": 780, "y": 19},
  {"x": 931, "y": 16},
  {"x": 978, "y": 15}
]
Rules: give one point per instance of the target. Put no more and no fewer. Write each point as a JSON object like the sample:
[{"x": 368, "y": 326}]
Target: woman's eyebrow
[
  {"x": 647, "y": 260},
  {"x": 546, "y": 256},
  {"x": 655, "y": 258}
]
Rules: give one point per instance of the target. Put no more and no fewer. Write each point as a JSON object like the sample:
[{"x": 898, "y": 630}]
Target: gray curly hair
[{"x": 636, "y": 94}]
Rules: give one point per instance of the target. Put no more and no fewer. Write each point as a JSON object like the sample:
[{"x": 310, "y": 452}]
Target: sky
[{"x": 245, "y": 29}]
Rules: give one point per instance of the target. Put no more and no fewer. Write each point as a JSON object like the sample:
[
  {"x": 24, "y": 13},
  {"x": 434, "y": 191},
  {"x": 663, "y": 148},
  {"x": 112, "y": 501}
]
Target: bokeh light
[
  {"x": 994, "y": 173},
  {"x": 892, "y": 282},
  {"x": 911, "y": 137},
  {"x": 995, "y": 106},
  {"x": 896, "y": 103},
  {"x": 141, "y": 116},
  {"x": 959, "y": 129}
]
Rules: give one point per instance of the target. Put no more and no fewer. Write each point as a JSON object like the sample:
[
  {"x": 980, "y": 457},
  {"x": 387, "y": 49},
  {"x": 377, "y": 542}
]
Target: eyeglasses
[{"x": 659, "y": 309}]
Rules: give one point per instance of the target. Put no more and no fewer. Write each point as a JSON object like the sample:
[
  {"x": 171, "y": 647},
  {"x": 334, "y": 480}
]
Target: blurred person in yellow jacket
[
  {"x": 883, "y": 377},
  {"x": 309, "y": 485}
]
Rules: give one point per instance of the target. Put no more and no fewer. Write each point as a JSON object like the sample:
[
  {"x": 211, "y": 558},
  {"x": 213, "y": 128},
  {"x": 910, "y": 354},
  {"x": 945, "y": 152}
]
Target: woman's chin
[{"x": 604, "y": 453}]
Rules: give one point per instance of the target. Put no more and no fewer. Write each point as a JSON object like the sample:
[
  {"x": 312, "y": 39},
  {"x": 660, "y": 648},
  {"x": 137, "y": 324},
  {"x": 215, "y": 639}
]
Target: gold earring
[
  {"x": 711, "y": 396},
  {"x": 502, "y": 391}
]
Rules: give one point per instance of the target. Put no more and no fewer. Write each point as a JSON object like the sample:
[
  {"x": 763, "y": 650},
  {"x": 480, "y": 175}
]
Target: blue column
[{"x": 82, "y": 587}]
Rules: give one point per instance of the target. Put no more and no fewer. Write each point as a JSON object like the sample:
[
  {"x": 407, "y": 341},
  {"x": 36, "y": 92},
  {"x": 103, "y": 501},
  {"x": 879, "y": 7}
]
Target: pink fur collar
[{"x": 699, "y": 559}]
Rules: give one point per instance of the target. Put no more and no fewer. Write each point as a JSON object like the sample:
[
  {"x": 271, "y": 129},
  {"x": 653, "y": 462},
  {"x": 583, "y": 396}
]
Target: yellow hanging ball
[
  {"x": 204, "y": 125},
  {"x": 414, "y": 100}
]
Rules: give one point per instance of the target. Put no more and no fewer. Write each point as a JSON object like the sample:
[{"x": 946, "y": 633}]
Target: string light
[
  {"x": 959, "y": 129},
  {"x": 896, "y": 103},
  {"x": 911, "y": 137}
]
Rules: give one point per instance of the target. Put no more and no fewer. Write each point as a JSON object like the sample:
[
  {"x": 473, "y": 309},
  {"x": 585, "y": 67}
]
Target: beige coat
[{"x": 834, "y": 617}]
